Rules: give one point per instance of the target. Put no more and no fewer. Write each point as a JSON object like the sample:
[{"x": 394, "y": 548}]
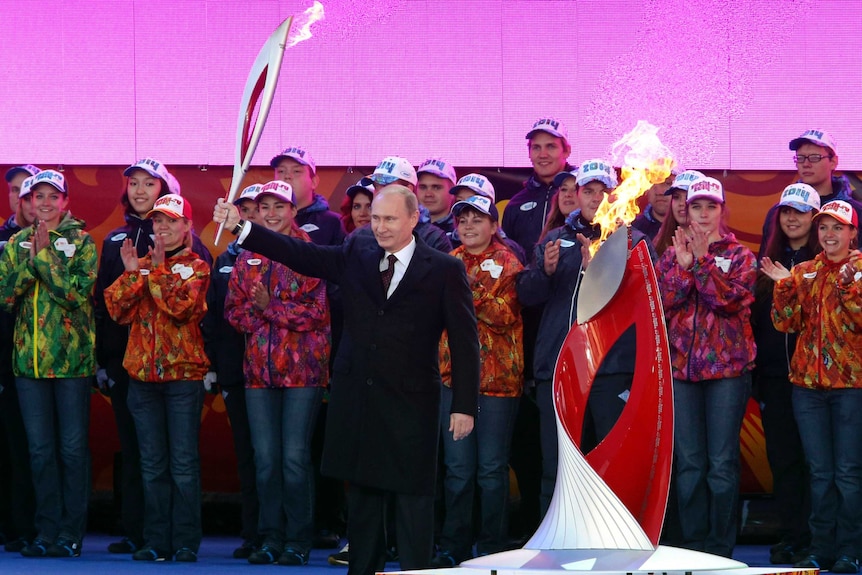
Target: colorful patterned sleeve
[
  {"x": 298, "y": 303},
  {"x": 124, "y": 295},
  {"x": 239, "y": 310},
  {"x": 676, "y": 283},
  {"x": 16, "y": 274},
  {"x": 731, "y": 291},
  {"x": 180, "y": 291},
  {"x": 68, "y": 274},
  {"x": 786, "y": 305},
  {"x": 496, "y": 300},
  {"x": 851, "y": 295}
]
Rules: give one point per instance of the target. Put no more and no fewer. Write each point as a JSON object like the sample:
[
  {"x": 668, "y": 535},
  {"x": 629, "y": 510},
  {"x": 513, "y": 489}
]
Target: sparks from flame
[
  {"x": 301, "y": 28},
  {"x": 645, "y": 161}
]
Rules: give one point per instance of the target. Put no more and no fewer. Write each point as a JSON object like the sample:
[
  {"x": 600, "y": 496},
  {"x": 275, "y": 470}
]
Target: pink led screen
[{"x": 729, "y": 81}]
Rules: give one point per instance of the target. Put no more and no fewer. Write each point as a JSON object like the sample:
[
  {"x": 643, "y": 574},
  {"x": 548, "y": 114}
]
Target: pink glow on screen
[{"x": 729, "y": 82}]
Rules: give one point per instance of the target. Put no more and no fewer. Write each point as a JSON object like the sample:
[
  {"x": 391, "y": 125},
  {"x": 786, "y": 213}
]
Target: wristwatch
[{"x": 237, "y": 229}]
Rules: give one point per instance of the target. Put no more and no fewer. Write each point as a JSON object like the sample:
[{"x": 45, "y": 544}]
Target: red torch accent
[{"x": 635, "y": 458}]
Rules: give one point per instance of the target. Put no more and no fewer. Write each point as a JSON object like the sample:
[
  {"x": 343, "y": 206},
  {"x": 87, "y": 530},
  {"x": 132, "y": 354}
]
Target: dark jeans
[
  {"x": 831, "y": 431},
  {"x": 56, "y": 415},
  {"x": 480, "y": 458},
  {"x": 234, "y": 401},
  {"x": 548, "y": 442},
  {"x": 168, "y": 421},
  {"x": 282, "y": 423},
  {"x": 707, "y": 420},
  {"x": 786, "y": 459},
  {"x": 20, "y": 500},
  {"x": 131, "y": 483}
]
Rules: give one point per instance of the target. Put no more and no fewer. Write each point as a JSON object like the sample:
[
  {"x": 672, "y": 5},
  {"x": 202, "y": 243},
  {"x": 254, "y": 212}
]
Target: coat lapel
[
  {"x": 370, "y": 272},
  {"x": 419, "y": 267}
]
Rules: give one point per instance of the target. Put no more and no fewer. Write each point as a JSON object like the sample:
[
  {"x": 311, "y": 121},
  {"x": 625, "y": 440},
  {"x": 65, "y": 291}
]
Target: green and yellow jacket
[{"x": 50, "y": 298}]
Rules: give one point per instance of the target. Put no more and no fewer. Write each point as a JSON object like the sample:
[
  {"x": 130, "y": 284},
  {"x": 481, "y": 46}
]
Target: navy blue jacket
[
  {"x": 557, "y": 293},
  {"x": 322, "y": 225},
  {"x": 526, "y": 213},
  {"x": 224, "y": 345}
]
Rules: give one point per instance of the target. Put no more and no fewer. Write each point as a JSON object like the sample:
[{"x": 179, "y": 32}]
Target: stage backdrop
[
  {"x": 94, "y": 193},
  {"x": 729, "y": 81}
]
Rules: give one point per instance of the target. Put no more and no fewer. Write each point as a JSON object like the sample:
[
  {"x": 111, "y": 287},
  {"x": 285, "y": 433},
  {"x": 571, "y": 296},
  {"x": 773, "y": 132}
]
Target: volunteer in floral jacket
[
  {"x": 821, "y": 300},
  {"x": 707, "y": 282},
  {"x": 47, "y": 272},
  {"x": 162, "y": 298},
  {"x": 285, "y": 319},
  {"x": 482, "y": 458}
]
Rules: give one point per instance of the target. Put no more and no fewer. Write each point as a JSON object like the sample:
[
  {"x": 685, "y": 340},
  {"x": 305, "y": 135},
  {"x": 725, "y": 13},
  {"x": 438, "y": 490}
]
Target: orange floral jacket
[
  {"x": 501, "y": 332},
  {"x": 163, "y": 308},
  {"x": 828, "y": 319}
]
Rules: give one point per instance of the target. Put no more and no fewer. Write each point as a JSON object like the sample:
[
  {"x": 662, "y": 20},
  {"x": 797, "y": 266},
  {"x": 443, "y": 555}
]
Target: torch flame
[
  {"x": 645, "y": 161},
  {"x": 302, "y": 29}
]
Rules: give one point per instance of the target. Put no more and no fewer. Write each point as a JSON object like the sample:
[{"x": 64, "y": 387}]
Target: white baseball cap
[
  {"x": 841, "y": 211},
  {"x": 248, "y": 193},
  {"x": 172, "y": 205},
  {"x": 599, "y": 170},
  {"x": 800, "y": 197},
  {"x": 438, "y": 167},
  {"x": 482, "y": 204},
  {"x": 393, "y": 168},
  {"x": 297, "y": 153},
  {"x": 52, "y": 177},
  {"x": 281, "y": 190},
  {"x": 705, "y": 187},
  {"x": 683, "y": 181},
  {"x": 550, "y": 125},
  {"x": 816, "y": 137},
  {"x": 477, "y": 183},
  {"x": 153, "y": 167}
]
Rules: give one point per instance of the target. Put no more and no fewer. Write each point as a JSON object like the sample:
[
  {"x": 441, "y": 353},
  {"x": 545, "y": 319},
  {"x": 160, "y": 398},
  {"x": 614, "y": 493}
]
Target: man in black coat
[{"x": 383, "y": 414}]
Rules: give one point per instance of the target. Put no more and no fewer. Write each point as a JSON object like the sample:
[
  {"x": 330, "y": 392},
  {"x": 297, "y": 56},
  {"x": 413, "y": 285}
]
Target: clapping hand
[
  {"x": 552, "y": 257},
  {"x": 586, "y": 256},
  {"x": 682, "y": 246},
  {"x": 157, "y": 252},
  {"x": 129, "y": 255},
  {"x": 40, "y": 238},
  {"x": 259, "y": 296},
  {"x": 774, "y": 270}
]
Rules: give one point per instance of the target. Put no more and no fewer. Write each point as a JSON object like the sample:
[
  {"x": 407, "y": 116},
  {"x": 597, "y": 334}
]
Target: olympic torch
[{"x": 259, "y": 91}]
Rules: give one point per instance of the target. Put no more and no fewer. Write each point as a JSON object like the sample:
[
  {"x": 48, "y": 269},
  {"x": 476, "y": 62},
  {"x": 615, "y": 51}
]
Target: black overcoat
[{"x": 383, "y": 417}]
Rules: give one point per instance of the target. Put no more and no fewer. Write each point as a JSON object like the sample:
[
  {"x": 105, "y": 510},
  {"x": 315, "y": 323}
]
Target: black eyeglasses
[{"x": 813, "y": 158}]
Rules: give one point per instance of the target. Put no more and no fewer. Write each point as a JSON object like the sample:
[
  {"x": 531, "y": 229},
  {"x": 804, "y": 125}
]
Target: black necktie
[{"x": 386, "y": 275}]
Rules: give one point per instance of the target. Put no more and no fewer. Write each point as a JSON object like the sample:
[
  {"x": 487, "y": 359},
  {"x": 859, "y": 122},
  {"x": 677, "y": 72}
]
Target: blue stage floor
[{"x": 215, "y": 559}]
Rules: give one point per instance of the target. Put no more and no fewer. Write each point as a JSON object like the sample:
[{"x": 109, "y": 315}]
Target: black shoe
[
  {"x": 784, "y": 554},
  {"x": 815, "y": 562},
  {"x": 16, "y": 545},
  {"x": 845, "y": 564},
  {"x": 326, "y": 539},
  {"x": 123, "y": 546},
  {"x": 148, "y": 553},
  {"x": 64, "y": 547},
  {"x": 245, "y": 550},
  {"x": 444, "y": 560},
  {"x": 342, "y": 558},
  {"x": 38, "y": 548},
  {"x": 293, "y": 556},
  {"x": 266, "y": 555},
  {"x": 186, "y": 555}
]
